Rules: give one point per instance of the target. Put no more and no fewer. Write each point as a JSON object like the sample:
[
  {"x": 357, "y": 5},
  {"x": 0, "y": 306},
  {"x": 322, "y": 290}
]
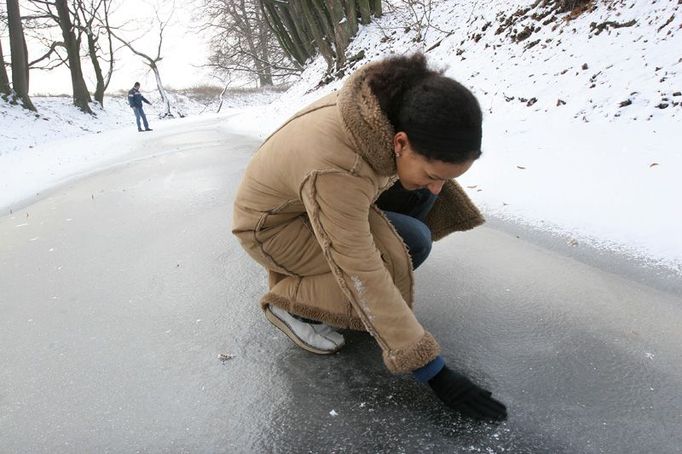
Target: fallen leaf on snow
[
  {"x": 521, "y": 167},
  {"x": 225, "y": 357},
  {"x": 653, "y": 164}
]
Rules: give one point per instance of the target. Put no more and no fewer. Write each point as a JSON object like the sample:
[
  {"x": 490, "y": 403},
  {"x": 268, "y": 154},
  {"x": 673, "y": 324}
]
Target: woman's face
[{"x": 417, "y": 172}]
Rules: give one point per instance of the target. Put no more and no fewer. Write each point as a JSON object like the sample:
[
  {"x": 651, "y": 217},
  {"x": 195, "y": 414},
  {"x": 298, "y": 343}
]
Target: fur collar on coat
[
  {"x": 367, "y": 124},
  {"x": 373, "y": 134}
]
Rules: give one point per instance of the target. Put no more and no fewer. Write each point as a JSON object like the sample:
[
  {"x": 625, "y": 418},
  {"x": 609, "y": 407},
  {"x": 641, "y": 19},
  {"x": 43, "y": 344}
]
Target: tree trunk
[
  {"x": 295, "y": 20},
  {"x": 352, "y": 16},
  {"x": 81, "y": 96},
  {"x": 375, "y": 7},
  {"x": 5, "y": 89},
  {"x": 363, "y": 6},
  {"x": 110, "y": 70},
  {"x": 264, "y": 78},
  {"x": 264, "y": 49},
  {"x": 304, "y": 27},
  {"x": 249, "y": 35},
  {"x": 341, "y": 30},
  {"x": 101, "y": 86},
  {"x": 19, "y": 56},
  {"x": 322, "y": 44},
  {"x": 299, "y": 33},
  {"x": 162, "y": 91},
  {"x": 324, "y": 18},
  {"x": 222, "y": 95},
  {"x": 287, "y": 40}
]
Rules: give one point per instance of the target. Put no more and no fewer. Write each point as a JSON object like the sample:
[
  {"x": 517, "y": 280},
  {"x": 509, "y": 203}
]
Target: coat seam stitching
[
  {"x": 336, "y": 270},
  {"x": 261, "y": 248}
]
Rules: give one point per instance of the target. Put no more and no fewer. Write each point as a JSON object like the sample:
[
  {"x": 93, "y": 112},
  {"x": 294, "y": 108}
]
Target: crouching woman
[{"x": 340, "y": 256}]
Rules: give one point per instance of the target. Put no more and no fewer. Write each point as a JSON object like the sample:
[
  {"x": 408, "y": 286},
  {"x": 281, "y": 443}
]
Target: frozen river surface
[{"x": 119, "y": 293}]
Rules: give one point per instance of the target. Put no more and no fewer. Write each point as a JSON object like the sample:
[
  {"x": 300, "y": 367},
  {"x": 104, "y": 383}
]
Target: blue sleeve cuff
[{"x": 426, "y": 373}]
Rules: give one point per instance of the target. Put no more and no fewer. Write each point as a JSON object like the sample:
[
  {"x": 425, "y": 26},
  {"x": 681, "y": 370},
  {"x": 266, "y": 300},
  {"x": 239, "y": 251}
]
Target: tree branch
[{"x": 53, "y": 47}]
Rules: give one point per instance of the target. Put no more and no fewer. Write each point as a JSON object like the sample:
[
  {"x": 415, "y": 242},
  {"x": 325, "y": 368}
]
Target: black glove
[{"x": 460, "y": 393}]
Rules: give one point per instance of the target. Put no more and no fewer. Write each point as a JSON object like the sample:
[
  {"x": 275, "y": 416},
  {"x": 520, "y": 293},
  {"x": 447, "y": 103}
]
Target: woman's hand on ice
[{"x": 460, "y": 393}]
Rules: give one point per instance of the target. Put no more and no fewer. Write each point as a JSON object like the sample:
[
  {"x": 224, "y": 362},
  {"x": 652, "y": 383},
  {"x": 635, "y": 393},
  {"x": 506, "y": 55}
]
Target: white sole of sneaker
[{"x": 286, "y": 329}]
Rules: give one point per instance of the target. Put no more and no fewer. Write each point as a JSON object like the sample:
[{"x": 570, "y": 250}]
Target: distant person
[
  {"x": 135, "y": 99},
  {"x": 309, "y": 210}
]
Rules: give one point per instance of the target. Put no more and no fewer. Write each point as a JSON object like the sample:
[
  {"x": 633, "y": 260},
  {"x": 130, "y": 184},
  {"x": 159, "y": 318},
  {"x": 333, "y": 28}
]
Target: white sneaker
[{"x": 313, "y": 337}]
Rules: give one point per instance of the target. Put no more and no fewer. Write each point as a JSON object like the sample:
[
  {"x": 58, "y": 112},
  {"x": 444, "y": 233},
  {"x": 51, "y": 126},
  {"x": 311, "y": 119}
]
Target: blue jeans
[
  {"x": 139, "y": 113},
  {"x": 410, "y": 223}
]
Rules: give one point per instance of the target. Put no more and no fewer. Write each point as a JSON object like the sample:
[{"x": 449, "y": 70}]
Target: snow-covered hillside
[
  {"x": 582, "y": 109},
  {"x": 615, "y": 60}
]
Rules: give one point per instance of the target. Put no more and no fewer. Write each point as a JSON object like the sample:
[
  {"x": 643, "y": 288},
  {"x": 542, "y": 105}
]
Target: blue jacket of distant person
[{"x": 135, "y": 98}]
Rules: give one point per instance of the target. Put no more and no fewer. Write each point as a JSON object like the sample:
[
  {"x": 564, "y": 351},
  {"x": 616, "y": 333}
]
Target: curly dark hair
[{"x": 441, "y": 117}]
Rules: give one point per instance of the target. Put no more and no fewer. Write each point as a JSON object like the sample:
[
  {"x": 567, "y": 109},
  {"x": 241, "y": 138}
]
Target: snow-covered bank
[
  {"x": 609, "y": 185},
  {"x": 581, "y": 131},
  {"x": 58, "y": 119}
]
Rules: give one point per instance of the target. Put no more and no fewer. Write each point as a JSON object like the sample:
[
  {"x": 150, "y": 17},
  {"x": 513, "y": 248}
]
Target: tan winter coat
[{"x": 305, "y": 211}]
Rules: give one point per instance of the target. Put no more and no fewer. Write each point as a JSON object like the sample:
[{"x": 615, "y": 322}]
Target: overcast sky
[{"x": 183, "y": 52}]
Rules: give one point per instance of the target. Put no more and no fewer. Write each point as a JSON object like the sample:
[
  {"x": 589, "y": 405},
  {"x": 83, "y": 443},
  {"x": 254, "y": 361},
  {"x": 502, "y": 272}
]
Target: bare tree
[
  {"x": 39, "y": 26},
  {"x": 152, "y": 62},
  {"x": 19, "y": 55},
  {"x": 93, "y": 21},
  {"x": 72, "y": 42},
  {"x": 58, "y": 12},
  {"x": 241, "y": 41},
  {"x": 5, "y": 89}
]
